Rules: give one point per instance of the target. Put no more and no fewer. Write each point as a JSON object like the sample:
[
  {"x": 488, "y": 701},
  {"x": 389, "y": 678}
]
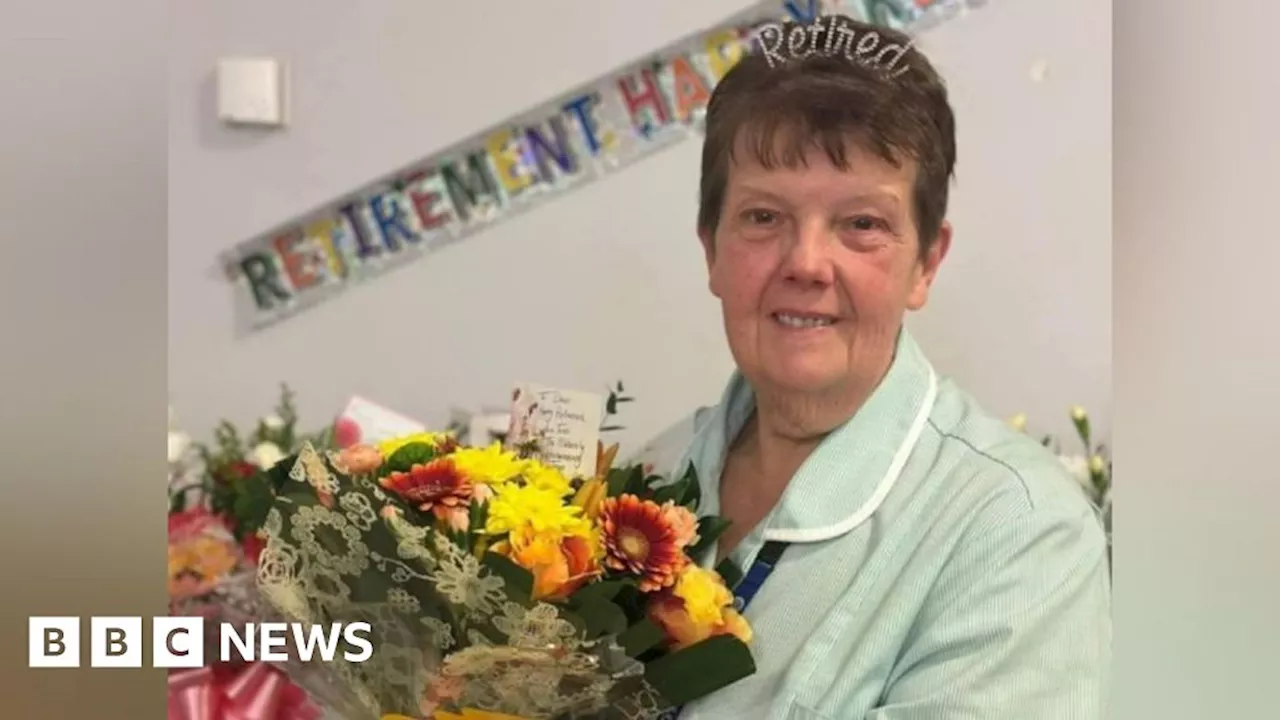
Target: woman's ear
[{"x": 927, "y": 268}]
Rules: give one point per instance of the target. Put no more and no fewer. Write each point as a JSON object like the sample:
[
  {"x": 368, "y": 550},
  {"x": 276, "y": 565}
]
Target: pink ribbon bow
[{"x": 252, "y": 692}]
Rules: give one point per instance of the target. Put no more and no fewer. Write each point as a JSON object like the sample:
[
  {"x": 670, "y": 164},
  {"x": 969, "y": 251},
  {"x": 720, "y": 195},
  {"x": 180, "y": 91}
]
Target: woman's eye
[
  {"x": 866, "y": 223},
  {"x": 757, "y": 216}
]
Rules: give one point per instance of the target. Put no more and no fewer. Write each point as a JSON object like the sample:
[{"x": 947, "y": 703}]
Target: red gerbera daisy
[
  {"x": 437, "y": 486},
  {"x": 640, "y": 539}
]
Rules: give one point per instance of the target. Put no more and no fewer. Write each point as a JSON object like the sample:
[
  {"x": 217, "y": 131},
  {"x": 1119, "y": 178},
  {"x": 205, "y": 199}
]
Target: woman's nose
[{"x": 806, "y": 259}]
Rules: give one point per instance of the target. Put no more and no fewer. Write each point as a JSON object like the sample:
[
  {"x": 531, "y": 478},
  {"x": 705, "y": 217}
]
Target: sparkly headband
[{"x": 806, "y": 41}]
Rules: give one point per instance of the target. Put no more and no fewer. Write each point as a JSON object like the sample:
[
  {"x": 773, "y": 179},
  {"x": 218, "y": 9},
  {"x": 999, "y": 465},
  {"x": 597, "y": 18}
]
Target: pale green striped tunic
[{"x": 943, "y": 567}]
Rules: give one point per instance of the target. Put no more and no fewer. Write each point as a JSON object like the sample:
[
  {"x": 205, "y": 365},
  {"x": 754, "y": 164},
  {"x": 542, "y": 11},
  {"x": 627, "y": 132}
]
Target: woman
[{"x": 914, "y": 558}]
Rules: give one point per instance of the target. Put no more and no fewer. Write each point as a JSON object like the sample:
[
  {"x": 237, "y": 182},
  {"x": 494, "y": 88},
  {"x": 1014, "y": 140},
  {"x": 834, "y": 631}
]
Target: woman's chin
[{"x": 804, "y": 376}]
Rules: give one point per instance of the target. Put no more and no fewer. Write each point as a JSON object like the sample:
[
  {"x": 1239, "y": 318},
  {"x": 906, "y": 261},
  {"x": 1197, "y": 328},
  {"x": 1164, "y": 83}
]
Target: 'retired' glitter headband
[{"x": 804, "y": 41}]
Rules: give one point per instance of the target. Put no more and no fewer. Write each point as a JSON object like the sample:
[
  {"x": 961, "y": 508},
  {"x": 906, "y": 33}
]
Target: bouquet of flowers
[
  {"x": 232, "y": 482},
  {"x": 214, "y": 498},
  {"x": 496, "y": 583}
]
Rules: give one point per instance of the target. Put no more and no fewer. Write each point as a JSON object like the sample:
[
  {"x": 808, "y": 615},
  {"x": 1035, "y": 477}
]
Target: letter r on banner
[
  {"x": 177, "y": 642},
  {"x": 53, "y": 642},
  {"x": 115, "y": 642}
]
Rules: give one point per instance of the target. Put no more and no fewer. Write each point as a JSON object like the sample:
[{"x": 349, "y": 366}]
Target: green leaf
[
  {"x": 641, "y": 637},
  {"x": 669, "y": 492},
  {"x": 710, "y": 528},
  {"x": 601, "y": 617},
  {"x": 253, "y": 502},
  {"x": 729, "y": 572},
  {"x": 479, "y": 516},
  {"x": 635, "y": 480},
  {"x": 579, "y": 624},
  {"x": 633, "y": 602},
  {"x": 414, "y": 453},
  {"x": 616, "y": 482},
  {"x": 603, "y": 590},
  {"x": 611, "y": 405},
  {"x": 519, "y": 582},
  {"x": 701, "y": 669},
  {"x": 694, "y": 498},
  {"x": 612, "y": 428}
]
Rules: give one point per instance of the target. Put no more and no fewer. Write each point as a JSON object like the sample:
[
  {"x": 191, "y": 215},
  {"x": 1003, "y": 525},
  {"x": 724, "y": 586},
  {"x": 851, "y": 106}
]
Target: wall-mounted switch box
[{"x": 252, "y": 91}]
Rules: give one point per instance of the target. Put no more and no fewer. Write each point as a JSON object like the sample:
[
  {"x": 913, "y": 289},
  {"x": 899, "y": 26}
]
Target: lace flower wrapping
[{"x": 456, "y": 624}]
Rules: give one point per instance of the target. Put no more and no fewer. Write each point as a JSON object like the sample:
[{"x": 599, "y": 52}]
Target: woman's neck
[
  {"x": 774, "y": 453},
  {"x": 787, "y": 426}
]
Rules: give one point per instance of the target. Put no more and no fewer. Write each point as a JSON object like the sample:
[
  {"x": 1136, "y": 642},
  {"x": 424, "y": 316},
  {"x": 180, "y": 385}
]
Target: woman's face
[{"x": 815, "y": 268}]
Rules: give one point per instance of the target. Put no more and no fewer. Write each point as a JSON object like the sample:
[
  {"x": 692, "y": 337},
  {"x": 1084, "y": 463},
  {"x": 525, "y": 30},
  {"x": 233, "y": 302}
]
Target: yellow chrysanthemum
[
  {"x": 546, "y": 477},
  {"x": 526, "y": 508},
  {"x": 491, "y": 465},
  {"x": 704, "y": 594},
  {"x": 389, "y": 447}
]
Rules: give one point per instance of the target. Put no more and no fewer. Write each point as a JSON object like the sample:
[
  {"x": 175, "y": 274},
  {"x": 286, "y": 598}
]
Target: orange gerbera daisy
[
  {"x": 197, "y": 565},
  {"x": 639, "y": 538},
  {"x": 438, "y": 487}
]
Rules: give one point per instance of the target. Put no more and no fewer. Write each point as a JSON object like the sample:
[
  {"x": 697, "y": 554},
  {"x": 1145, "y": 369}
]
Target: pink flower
[
  {"x": 193, "y": 523},
  {"x": 360, "y": 459},
  {"x": 481, "y": 493},
  {"x": 441, "y": 689},
  {"x": 346, "y": 432},
  {"x": 459, "y": 519},
  {"x": 682, "y": 522}
]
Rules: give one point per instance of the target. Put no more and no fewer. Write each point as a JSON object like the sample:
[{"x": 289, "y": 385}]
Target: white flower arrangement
[
  {"x": 266, "y": 454},
  {"x": 185, "y": 478}
]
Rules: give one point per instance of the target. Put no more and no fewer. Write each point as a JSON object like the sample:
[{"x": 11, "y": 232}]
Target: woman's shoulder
[
  {"x": 996, "y": 498},
  {"x": 980, "y": 457}
]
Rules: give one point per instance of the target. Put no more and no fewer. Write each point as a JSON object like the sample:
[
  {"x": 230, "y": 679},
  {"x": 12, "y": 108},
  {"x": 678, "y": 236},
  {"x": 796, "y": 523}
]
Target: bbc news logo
[{"x": 179, "y": 642}]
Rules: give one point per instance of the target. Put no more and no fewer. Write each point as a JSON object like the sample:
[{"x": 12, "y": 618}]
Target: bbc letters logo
[{"x": 179, "y": 642}]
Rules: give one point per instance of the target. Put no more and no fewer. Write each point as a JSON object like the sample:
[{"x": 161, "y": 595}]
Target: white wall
[{"x": 1021, "y": 315}]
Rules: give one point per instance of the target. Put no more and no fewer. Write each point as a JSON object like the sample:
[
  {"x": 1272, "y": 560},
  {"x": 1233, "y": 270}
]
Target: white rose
[
  {"x": 266, "y": 455},
  {"x": 273, "y": 422},
  {"x": 1078, "y": 467},
  {"x": 178, "y": 444}
]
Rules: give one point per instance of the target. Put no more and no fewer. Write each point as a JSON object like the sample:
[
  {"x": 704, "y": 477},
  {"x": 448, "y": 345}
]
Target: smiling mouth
[{"x": 803, "y": 321}]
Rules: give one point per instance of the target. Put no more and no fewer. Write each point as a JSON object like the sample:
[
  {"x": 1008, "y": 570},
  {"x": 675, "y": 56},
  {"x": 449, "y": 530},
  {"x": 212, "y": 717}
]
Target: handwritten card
[
  {"x": 565, "y": 424},
  {"x": 364, "y": 421}
]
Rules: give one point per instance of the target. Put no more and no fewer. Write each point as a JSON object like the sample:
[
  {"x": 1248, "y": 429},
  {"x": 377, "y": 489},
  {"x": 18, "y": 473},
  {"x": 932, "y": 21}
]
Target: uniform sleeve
[{"x": 1018, "y": 627}]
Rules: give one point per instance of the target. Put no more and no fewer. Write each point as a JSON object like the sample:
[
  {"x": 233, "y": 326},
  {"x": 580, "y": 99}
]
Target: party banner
[{"x": 575, "y": 139}]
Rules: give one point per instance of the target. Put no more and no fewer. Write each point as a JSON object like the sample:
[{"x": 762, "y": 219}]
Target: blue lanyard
[{"x": 766, "y": 560}]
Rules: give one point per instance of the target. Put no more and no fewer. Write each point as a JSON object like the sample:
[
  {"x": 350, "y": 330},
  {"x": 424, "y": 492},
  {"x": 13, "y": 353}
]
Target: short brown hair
[{"x": 823, "y": 101}]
